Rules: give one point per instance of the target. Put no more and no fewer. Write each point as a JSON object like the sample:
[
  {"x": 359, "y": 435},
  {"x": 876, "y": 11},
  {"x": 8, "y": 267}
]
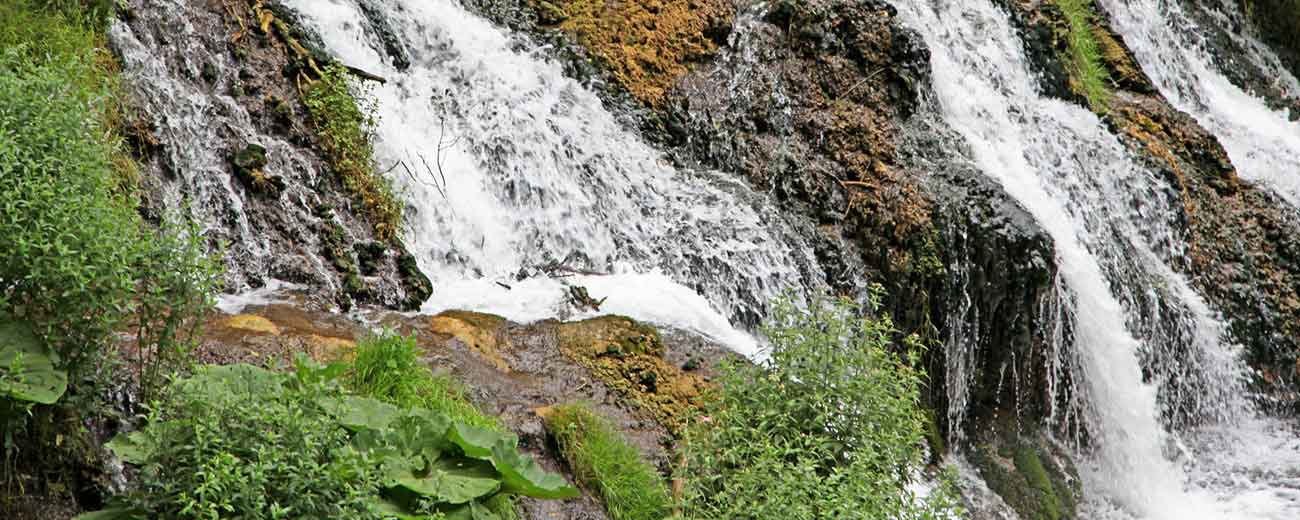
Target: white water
[
  {"x": 1114, "y": 228},
  {"x": 1263, "y": 144},
  {"x": 537, "y": 172}
]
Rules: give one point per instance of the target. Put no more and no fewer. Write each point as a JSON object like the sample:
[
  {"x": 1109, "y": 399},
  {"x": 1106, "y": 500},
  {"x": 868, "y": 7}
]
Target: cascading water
[
  {"x": 1263, "y": 143},
  {"x": 518, "y": 169},
  {"x": 1117, "y": 241}
]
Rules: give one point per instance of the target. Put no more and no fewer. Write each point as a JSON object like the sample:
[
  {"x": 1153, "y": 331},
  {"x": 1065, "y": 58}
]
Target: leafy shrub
[
  {"x": 75, "y": 258},
  {"x": 830, "y": 428},
  {"x": 345, "y": 124},
  {"x": 68, "y": 243},
  {"x": 387, "y": 367},
  {"x": 177, "y": 281},
  {"x": 243, "y": 442},
  {"x": 607, "y": 463}
]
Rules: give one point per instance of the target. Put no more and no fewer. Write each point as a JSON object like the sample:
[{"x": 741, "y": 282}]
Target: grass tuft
[
  {"x": 388, "y": 367},
  {"x": 602, "y": 460},
  {"x": 1089, "y": 76},
  {"x": 345, "y": 123}
]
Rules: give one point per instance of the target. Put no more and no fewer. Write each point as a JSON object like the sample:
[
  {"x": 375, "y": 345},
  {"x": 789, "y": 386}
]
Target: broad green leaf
[
  {"x": 359, "y": 413},
  {"x": 477, "y": 442},
  {"x": 389, "y": 510},
  {"x": 132, "y": 447},
  {"x": 112, "y": 513},
  {"x": 421, "y": 432},
  {"x": 27, "y": 367},
  {"x": 470, "y": 511},
  {"x": 213, "y": 381},
  {"x": 522, "y": 476},
  {"x": 454, "y": 485}
]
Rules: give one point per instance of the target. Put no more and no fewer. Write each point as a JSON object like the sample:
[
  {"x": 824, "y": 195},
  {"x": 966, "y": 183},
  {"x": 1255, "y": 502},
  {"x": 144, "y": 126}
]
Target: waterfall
[
  {"x": 1118, "y": 241},
  {"x": 516, "y": 169},
  {"x": 1263, "y": 144}
]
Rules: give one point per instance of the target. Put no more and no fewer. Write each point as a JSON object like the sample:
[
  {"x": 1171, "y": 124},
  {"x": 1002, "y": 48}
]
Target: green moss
[
  {"x": 345, "y": 123},
  {"x": 1089, "y": 76},
  {"x": 1034, "y": 489},
  {"x": 1031, "y": 468},
  {"x": 605, "y": 462}
]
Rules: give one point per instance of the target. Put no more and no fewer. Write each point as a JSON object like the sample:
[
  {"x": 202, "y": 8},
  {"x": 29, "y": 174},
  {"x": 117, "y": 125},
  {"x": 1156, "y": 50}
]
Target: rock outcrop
[{"x": 221, "y": 130}]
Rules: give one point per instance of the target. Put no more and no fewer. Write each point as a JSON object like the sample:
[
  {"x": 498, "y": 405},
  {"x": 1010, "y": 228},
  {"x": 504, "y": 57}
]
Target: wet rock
[{"x": 272, "y": 228}]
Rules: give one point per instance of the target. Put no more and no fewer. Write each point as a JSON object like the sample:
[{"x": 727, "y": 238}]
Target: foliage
[
  {"x": 177, "y": 283},
  {"x": 345, "y": 122},
  {"x": 27, "y": 367},
  {"x": 387, "y": 367},
  {"x": 607, "y": 463},
  {"x": 830, "y": 428},
  {"x": 69, "y": 243},
  {"x": 76, "y": 260},
  {"x": 1088, "y": 72},
  {"x": 244, "y": 442}
]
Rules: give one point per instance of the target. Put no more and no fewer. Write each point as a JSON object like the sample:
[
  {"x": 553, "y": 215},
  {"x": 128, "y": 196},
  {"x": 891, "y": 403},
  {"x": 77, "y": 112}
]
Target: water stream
[
  {"x": 1117, "y": 242},
  {"x": 518, "y": 169},
  {"x": 1263, "y": 143}
]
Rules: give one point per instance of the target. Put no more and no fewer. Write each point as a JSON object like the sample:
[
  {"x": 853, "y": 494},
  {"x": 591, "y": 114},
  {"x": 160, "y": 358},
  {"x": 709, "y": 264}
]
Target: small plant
[
  {"x": 831, "y": 427},
  {"x": 243, "y": 442},
  {"x": 1089, "y": 77},
  {"x": 178, "y": 282},
  {"x": 605, "y": 462},
  {"x": 345, "y": 123}
]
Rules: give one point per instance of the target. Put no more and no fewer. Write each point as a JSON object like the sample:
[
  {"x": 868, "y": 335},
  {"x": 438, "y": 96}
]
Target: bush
[
  {"x": 243, "y": 442},
  {"x": 345, "y": 124},
  {"x": 831, "y": 427},
  {"x": 67, "y": 242},
  {"x": 602, "y": 460}
]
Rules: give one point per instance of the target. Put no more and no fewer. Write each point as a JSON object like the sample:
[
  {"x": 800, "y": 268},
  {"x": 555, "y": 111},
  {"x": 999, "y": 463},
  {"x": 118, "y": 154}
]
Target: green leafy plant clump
[
  {"x": 244, "y": 442},
  {"x": 607, "y": 463},
  {"x": 1089, "y": 75},
  {"x": 345, "y": 123},
  {"x": 831, "y": 427}
]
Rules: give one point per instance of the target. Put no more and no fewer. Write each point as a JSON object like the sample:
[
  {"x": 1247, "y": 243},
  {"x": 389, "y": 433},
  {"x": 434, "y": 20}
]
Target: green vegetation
[
  {"x": 387, "y": 367},
  {"x": 1089, "y": 75},
  {"x": 345, "y": 122},
  {"x": 602, "y": 460},
  {"x": 77, "y": 263},
  {"x": 243, "y": 442},
  {"x": 832, "y": 427}
]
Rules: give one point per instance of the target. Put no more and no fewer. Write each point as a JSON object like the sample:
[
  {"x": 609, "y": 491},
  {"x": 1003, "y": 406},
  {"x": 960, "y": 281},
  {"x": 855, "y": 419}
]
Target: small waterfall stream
[
  {"x": 1118, "y": 239},
  {"x": 1263, "y": 144},
  {"x": 518, "y": 169}
]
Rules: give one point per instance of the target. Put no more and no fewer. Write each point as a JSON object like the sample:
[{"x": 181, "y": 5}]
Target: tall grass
[
  {"x": 602, "y": 460},
  {"x": 1090, "y": 78},
  {"x": 345, "y": 121}
]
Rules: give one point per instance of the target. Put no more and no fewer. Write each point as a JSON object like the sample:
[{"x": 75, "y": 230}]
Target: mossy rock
[
  {"x": 628, "y": 357},
  {"x": 1033, "y": 477}
]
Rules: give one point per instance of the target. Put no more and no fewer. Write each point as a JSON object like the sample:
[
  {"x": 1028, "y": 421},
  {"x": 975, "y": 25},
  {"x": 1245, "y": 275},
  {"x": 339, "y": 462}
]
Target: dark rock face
[
  {"x": 821, "y": 104},
  {"x": 228, "y": 139}
]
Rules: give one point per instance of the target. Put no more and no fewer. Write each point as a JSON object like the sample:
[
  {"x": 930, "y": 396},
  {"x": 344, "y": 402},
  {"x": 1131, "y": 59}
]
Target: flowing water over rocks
[
  {"x": 1072, "y": 266},
  {"x": 1119, "y": 238},
  {"x": 518, "y": 172}
]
